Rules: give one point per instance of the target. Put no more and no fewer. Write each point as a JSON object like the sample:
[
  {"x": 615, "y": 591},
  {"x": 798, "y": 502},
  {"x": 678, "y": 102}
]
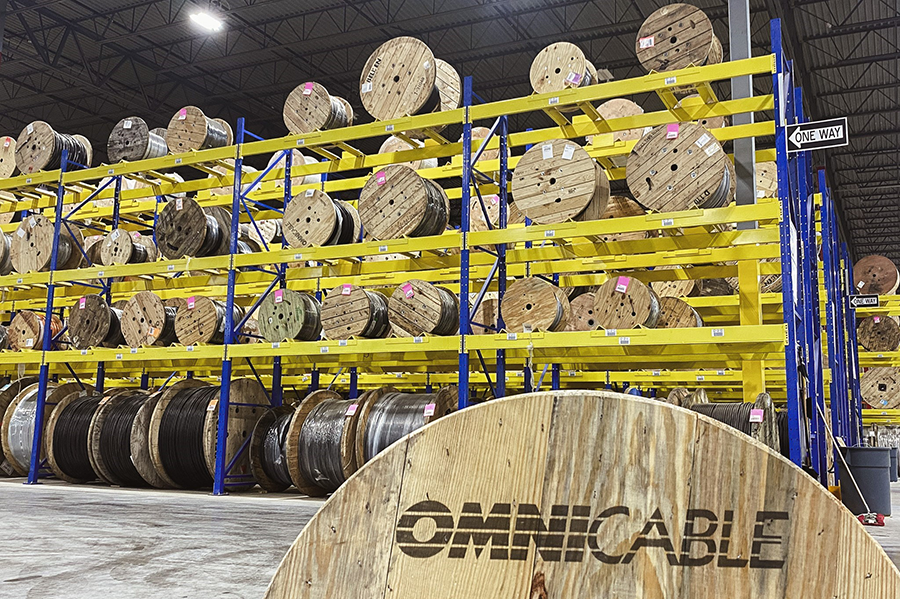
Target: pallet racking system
[{"x": 754, "y": 342}]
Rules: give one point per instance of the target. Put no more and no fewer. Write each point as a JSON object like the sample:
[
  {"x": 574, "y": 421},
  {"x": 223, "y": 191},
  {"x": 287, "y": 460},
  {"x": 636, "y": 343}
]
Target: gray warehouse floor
[{"x": 84, "y": 542}]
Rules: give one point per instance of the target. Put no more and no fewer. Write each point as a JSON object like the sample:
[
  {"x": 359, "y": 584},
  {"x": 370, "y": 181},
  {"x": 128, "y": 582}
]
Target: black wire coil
[
  {"x": 71, "y": 446},
  {"x": 115, "y": 440},
  {"x": 181, "y": 437},
  {"x": 378, "y": 326},
  {"x": 78, "y": 153},
  {"x": 736, "y": 415},
  {"x": 320, "y": 445},
  {"x": 212, "y": 239},
  {"x": 343, "y": 228},
  {"x": 393, "y": 416},
  {"x": 437, "y": 214},
  {"x": 274, "y": 452}
]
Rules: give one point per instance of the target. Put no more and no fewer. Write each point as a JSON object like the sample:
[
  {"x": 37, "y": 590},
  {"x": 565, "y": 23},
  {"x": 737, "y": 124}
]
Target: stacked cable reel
[
  {"x": 880, "y": 387},
  {"x": 182, "y": 432},
  {"x": 7, "y": 157},
  {"x": 875, "y": 275},
  {"x": 757, "y": 420},
  {"x": 190, "y": 129},
  {"x": 396, "y": 202},
  {"x": 68, "y": 435},
  {"x": 290, "y": 315},
  {"x": 28, "y": 328},
  {"x": 561, "y": 66},
  {"x": 394, "y": 144},
  {"x": 126, "y": 247},
  {"x": 533, "y": 304},
  {"x": 147, "y": 320},
  {"x": 309, "y": 107},
  {"x": 351, "y": 311},
  {"x": 40, "y": 148},
  {"x": 675, "y": 37},
  {"x": 8, "y": 393},
  {"x": 132, "y": 139},
  {"x": 879, "y": 333},
  {"x": 624, "y": 302},
  {"x": 202, "y": 320},
  {"x": 186, "y": 229},
  {"x": 31, "y": 247},
  {"x": 313, "y": 218},
  {"x": 94, "y": 323},
  {"x": 419, "y": 308}
]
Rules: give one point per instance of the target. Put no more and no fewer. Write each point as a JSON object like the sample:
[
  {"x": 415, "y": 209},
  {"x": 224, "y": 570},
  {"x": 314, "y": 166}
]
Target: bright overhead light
[{"x": 207, "y": 21}]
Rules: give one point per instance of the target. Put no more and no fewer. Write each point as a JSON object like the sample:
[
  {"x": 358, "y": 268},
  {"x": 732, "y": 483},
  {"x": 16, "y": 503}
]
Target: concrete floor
[{"x": 89, "y": 542}]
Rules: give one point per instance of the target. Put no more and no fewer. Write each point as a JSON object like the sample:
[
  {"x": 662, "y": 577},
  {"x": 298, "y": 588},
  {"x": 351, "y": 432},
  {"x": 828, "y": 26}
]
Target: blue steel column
[
  {"x": 500, "y": 382},
  {"x": 843, "y": 402},
  {"x": 464, "y": 252},
  {"x": 277, "y": 397},
  {"x": 856, "y": 431},
  {"x": 225, "y": 391},
  {"x": 782, "y": 105},
  {"x": 44, "y": 375}
]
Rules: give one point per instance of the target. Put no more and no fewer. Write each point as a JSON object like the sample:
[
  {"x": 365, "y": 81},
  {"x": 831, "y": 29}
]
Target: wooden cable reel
[
  {"x": 190, "y": 129},
  {"x": 40, "y": 148},
  {"x": 449, "y": 85},
  {"x": 8, "y": 393},
  {"x": 878, "y": 333},
  {"x": 880, "y": 387},
  {"x": 396, "y": 202},
  {"x": 675, "y": 313},
  {"x": 615, "y": 109},
  {"x": 298, "y": 159},
  {"x": 710, "y": 122},
  {"x": 395, "y": 144},
  {"x": 399, "y": 80},
  {"x": 147, "y": 320},
  {"x": 309, "y": 107},
  {"x": 94, "y": 323},
  {"x": 120, "y": 247},
  {"x": 675, "y": 37},
  {"x": 479, "y": 134},
  {"x": 288, "y": 315},
  {"x": 26, "y": 331},
  {"x": 558, "y": 67},
  {"x": 766, "y": 180},
  {"x": 626, "y": 303},
  {"x": 677, "y": 287},
  {"x": 6, "y": 265},
  {"x": 351, "y": 311},
  {"x": 560, "y": 444},
  {"x": 31, "y": 247},
  {"x": 679, "y": 166},
  {"x": 313, "y": 218},
  {"x": 556, "y": 180},
  {"x": 533, "y": 304},
  {"x": 202, "y": 320},
  {"x": 186, "y": 229},
  {"x": 623, "y": 207},
  {"x": 582, "y": 318},
  {"x": 419, "y": 308},
  {"x": 88, "y": 148},
  {"x": 7, "y": 157},
  {"x": 876, "y": 275},
  {"x": 131, "y": 139}
]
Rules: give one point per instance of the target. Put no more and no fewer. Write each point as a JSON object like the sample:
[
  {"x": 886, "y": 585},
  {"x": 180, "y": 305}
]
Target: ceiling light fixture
[{"x": 212, "y": 18}]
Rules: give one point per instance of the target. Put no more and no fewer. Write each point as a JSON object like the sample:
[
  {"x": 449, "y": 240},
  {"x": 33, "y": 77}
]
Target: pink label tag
[
  {"x": 191, "y": 303},
  {"x": 351, "y": 409},
  {"x": 495, "y": 199},
  {"x": 182, "y": 114},
  {"x": 346, "y": 289},
  {"x": 81, "y": 303},
  {"x": 308, "y": 87},
  {"x": 279, "y": 296},
  {"x": 137, "y": 235},
  {"x": 647, "y": 42},
  {"x": 756, "y": 415},
  {"x": 672, "y": 131},
  {"x": 622, "y": 284},
  {"x": 429, "y": 410},
  {"x": 877, "y": 319},
  {"x": 574, "y": 78},
  {"x": 408, "y": 290},
  {"x": 7, "y": 142},
  {"x": 380, "y": 178}
]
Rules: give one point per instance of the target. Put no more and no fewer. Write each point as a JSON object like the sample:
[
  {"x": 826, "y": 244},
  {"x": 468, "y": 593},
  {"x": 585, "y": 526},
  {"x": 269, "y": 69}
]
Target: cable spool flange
[
  {"x": 68, "y": 434},
  {"x": 350, "y": 311},
  {"x": 676, "y": 287},
  {"x": 309, "y": 107},
  {"x": 146, "y": 320},
  {"x": 418, "y": 308},
  {"x": 626, "y": 303},
  {"x": 190, "y": 129},
  {"x": 558, "y": 67},
  {"x": 94, "y": 323},
  {"x": 6, "y": 265},
  {"x": 878, "y": 333},
  {"x": 880, "y": 387},
  {"x": 31, "y": 247},
  {"x": 675, "y": 37},
  {"x": 399, "y": 80},
  {"x": 533, "y": 304},
  {"x": 556, "y": 180},
  {"x": 395, "y": 144},
  {"x": 40, "y": 148},
  {"x": 876, "y": 275},
  {"x": 582, "y": 318},
  {"x": 396, "y": 202},
  {"x": 286, "y": 314},
  {"x": 120, "y": 247},
  {"x": 387, "y": 415},
  {"x": 186, "y": 229},
  {"x": 710, "y": 122},
  {"x": 8, "y": 393},
  {"x": 679, "y": 166},
  {"x": 203, "y": 321},
  {"x": 766, "y": 179},
  {"x": 449, "y": 88},
  {"x": 7, "y": 157},
  {"x": 131, "y": 139},
  {"x": 110, "y": 438},
  {"x": 313, "y": 218},
  {"x": 675, "y": 313},
  {"x": 26, "y": 331}
]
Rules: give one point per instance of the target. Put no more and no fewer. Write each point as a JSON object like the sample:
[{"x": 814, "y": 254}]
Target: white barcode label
[
  {"x": 549, "y": 233},
  {"x": 182, "y": 114},
  {"x": 418, "y": 339},
  {"x": 718, "y": 332},
  {"x": 624, "y": 340},
  {"x": 611, "y": 332},
  {"x": 118, "y": 356},
  {"x": 178, "y": 161},
  {"x": 111, "y": 171},
  {"x": 20, "y": 233},
  {"x": 29, "y": 342},
  {"x": 276, "y": 345},
  {"x": 712, "y": 149},
  {"x": 568, "y": 152},
  {"x": 84, "y": 352},
  {"x": 720, "y": 372},
  {"x": 700, "y": 377},
  {"x": 511, "y": 336},
  {"x": 704, "y": 139},
  {"x": 170, "y": 267},
  {"x": 301, "y": 142},
  {"x": 30, "y": 128},
  {"x": 114, "y": 235},
  {"x": 298, "y": 256},
  {"x": 426, "y": 65},
  {"x": 547, "y": 151},
  {"x": 382, "y": 248},
  {"x": 668, "y": 222},
  {"x": 179, "y": 203},
  {"x": 99, "y": 273},
  {"x": 366, "y": 87},
  {"x": 388, "y": 128},
  {"x": 657, "y": 373},
  {"x": 310, "y": 192},
  {"x": 553, "y": 101},
  {"x": 189, "y": 348},
  {"x": 323, "y": 350},
  {"x": 134, "y": 350},
  {"x": 671, "y": 80},
  {"x": 32, "y": 221},
  {"x": 126, "y": 124},
  {"x": 342, "y": 343},
  {"x": 647, "y": 42}
]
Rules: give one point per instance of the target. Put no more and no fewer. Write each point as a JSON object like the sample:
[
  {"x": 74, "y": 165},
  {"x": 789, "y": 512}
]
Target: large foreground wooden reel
[{"x": 582, "y": 494}]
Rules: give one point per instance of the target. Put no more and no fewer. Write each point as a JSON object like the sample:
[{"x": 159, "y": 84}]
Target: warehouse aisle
[
  {"x": 889, "y": 535},
  {"x": 83, "y": 542}
]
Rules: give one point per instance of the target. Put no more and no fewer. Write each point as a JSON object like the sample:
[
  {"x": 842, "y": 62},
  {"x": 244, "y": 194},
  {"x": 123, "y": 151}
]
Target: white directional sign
[
  {"x": 817, "y": 136},
  {"x": 864, "y": 301}
]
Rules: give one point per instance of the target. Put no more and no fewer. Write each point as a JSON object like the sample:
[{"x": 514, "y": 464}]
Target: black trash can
[
  {"x": 870, "y": 467},
  {"x": 894, "y": 464}
]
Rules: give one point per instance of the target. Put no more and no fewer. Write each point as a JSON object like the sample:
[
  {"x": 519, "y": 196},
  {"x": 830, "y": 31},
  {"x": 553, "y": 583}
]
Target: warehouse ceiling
[{"x": 84, "y": 65}]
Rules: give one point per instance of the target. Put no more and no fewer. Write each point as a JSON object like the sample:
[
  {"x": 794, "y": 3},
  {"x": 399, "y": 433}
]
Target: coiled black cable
[
  {"x": 436, "y": 214},
  {"x": 343, "y": 228},
  {"x": 212, "y": 238},
  {"x": 394, "y": 416},
  {"x": 181, "y": 429},
  {"x": 70, "y": 438},
  {"x": 115, "y": 440},
  {"x": 320, "y": 444},
  {"x": 274, "y": 453},
  {"x": 736, "y": 415},
  {"x": 378, "y": 326}
]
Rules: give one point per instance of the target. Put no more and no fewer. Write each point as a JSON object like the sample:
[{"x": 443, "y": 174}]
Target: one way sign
[
  {"x": 817, "y": 136},
  {"x": 864, "y": 301}
]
